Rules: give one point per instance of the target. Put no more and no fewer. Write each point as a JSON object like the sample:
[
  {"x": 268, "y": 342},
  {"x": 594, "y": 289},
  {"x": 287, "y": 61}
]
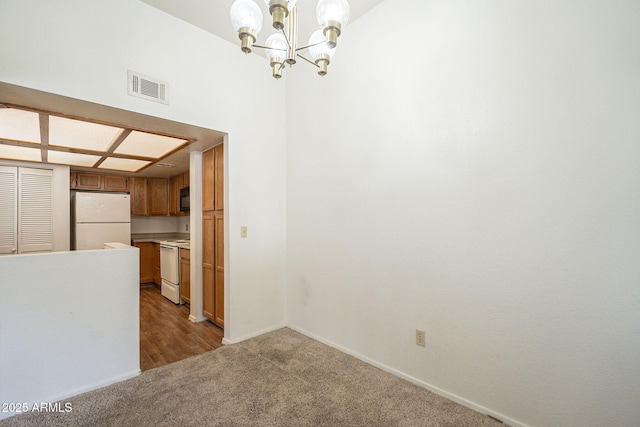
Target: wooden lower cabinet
[
  {"x": 156, "y": 264},
  {"x": 185, "y": 275},
  {"x": 146, "y": 261}
]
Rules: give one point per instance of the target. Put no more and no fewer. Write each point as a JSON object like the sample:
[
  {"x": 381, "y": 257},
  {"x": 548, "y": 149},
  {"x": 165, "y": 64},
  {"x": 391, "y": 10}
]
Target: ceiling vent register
[{"x": 146, "y": 87}]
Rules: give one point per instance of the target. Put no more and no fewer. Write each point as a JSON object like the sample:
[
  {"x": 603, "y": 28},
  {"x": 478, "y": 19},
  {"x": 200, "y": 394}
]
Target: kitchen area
[
  {"x": 93, "y": 199},
  {"x": 153, "y": 214}
]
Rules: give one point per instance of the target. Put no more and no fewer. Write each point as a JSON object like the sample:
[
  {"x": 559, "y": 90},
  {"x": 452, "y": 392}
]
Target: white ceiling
[
  {"x": 209, "y": 15},
  {"x": 213, "y": 16}
]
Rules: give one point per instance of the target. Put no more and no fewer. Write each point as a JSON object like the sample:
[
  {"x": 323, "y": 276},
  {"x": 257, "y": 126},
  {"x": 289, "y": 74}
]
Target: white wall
[
  {"x": 157, "y": 224},
  {"x": 69, "y": 322},
  {"x": 61, "y": 202},
  {"x": 211, "y": 85},
  {"x": 182, "y": 224},
  {"x": 471, "y": 169}
]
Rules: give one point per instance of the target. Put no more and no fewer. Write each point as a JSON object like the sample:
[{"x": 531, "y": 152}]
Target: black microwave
[{"x": 184, "y": 199}]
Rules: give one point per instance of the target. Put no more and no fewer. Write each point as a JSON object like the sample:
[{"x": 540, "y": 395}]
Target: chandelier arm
[
  {"x": 309, "y": 45},
  {"x": 286, "y": 38},
  {"x": 308, "y": 60},
  {"x": 262, "y": 47}
]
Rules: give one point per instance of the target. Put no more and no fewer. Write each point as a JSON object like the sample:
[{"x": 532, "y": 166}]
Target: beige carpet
[{"x": 278, "y": 379}]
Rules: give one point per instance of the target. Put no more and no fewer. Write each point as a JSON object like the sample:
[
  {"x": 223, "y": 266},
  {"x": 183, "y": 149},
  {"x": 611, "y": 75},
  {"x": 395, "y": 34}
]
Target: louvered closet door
[
  {"x": 35, "y": 210},
  {"x": 8, "y": 210}
]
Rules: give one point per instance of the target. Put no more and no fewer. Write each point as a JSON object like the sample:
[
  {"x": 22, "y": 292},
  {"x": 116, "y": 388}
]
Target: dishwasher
[{"x": 170, "y": 271}]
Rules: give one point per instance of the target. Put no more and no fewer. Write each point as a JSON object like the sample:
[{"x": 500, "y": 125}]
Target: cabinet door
[
  {"x": 72, "y": 180},
  {"x": 208, "y": 186},
  {"x": 208, "y": 260},
  {"x": 156, "y": 264},
  {"x": 185, "y": 179},
  {"x": 139, "y": 199},
  {"x": 115, "y": 183},
  {"x": 146, "y": 261},
  {"x": 175, "y": 185},
  {"x": 35, "y": 207},
  {"x": 219, "y": 269},
  {"x": 218, "y": 168},
  {"x": 88, "y": 181},
  {"x": 185, "y": 184},
  {"x": 185, "y": 275},
  {"x": 8, "y": 210},
  {"x": 158, "y": 196}
]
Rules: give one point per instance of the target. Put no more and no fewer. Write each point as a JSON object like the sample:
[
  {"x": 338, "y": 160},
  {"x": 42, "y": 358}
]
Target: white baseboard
[
  {"x": 227, "y": 341},
  {"x": 195, "y": 319},
  {"x": 69, "y": 394},
  {"x": 419, "y": 383}
]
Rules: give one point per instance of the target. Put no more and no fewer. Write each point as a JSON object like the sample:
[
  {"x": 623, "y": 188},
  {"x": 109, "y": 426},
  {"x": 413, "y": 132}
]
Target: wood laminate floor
[{"x": 167, "y": 335}]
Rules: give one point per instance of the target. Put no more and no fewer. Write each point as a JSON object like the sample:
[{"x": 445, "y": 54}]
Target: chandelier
[{"x": 282, "y": 48}]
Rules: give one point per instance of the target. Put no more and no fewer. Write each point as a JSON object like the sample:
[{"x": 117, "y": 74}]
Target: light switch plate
[{"x": 243, "y": 231}]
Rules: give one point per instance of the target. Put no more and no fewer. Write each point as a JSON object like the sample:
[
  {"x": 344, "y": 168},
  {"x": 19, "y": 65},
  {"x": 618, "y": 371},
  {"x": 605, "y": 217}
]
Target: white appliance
[
  {"x": 99, "y": 218},
  {"x": 170, "y": 270}
]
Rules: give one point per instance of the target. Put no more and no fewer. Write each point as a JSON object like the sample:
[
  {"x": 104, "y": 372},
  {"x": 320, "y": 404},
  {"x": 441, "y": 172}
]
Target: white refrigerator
[{"x": 99, "y": 218}]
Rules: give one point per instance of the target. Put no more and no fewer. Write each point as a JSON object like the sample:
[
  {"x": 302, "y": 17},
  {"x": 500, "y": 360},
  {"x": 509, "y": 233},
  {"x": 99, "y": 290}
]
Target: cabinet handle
[{"x": 14, "y": 250}]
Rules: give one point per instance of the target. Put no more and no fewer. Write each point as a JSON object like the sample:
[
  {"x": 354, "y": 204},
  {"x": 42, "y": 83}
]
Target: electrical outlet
[
  {"x": 186, "y": 227},
  {"x": 421, "y": 338},
  {"x": 243, "y": 231}
]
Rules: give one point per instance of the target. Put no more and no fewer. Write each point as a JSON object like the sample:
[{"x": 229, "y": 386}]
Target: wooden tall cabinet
[
  {"x": 208, "y": 262},
  {"x": 213, "y": 234},
  {"x": 218, "y": 287},
  {"x": 208, "y": 182},
  {"x": 218, "y": 182}
]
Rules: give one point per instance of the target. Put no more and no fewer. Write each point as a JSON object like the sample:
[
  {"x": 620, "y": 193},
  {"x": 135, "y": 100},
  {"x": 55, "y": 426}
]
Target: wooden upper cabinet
[
  {"x": 115, "y": 183},
  {"x": 185, "y": 179},
  {"x": 185, "y": 184},
  {"x": 208, "y": 185},
  {"x": 88, "y": 181},
  {"x": 158, "y": 196},
  {"x": 175, "y": 185},
  {"x": 139, "y": 197},
  {"x": 218, "y": 167},
  {"x": 98, "y": 181}
]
